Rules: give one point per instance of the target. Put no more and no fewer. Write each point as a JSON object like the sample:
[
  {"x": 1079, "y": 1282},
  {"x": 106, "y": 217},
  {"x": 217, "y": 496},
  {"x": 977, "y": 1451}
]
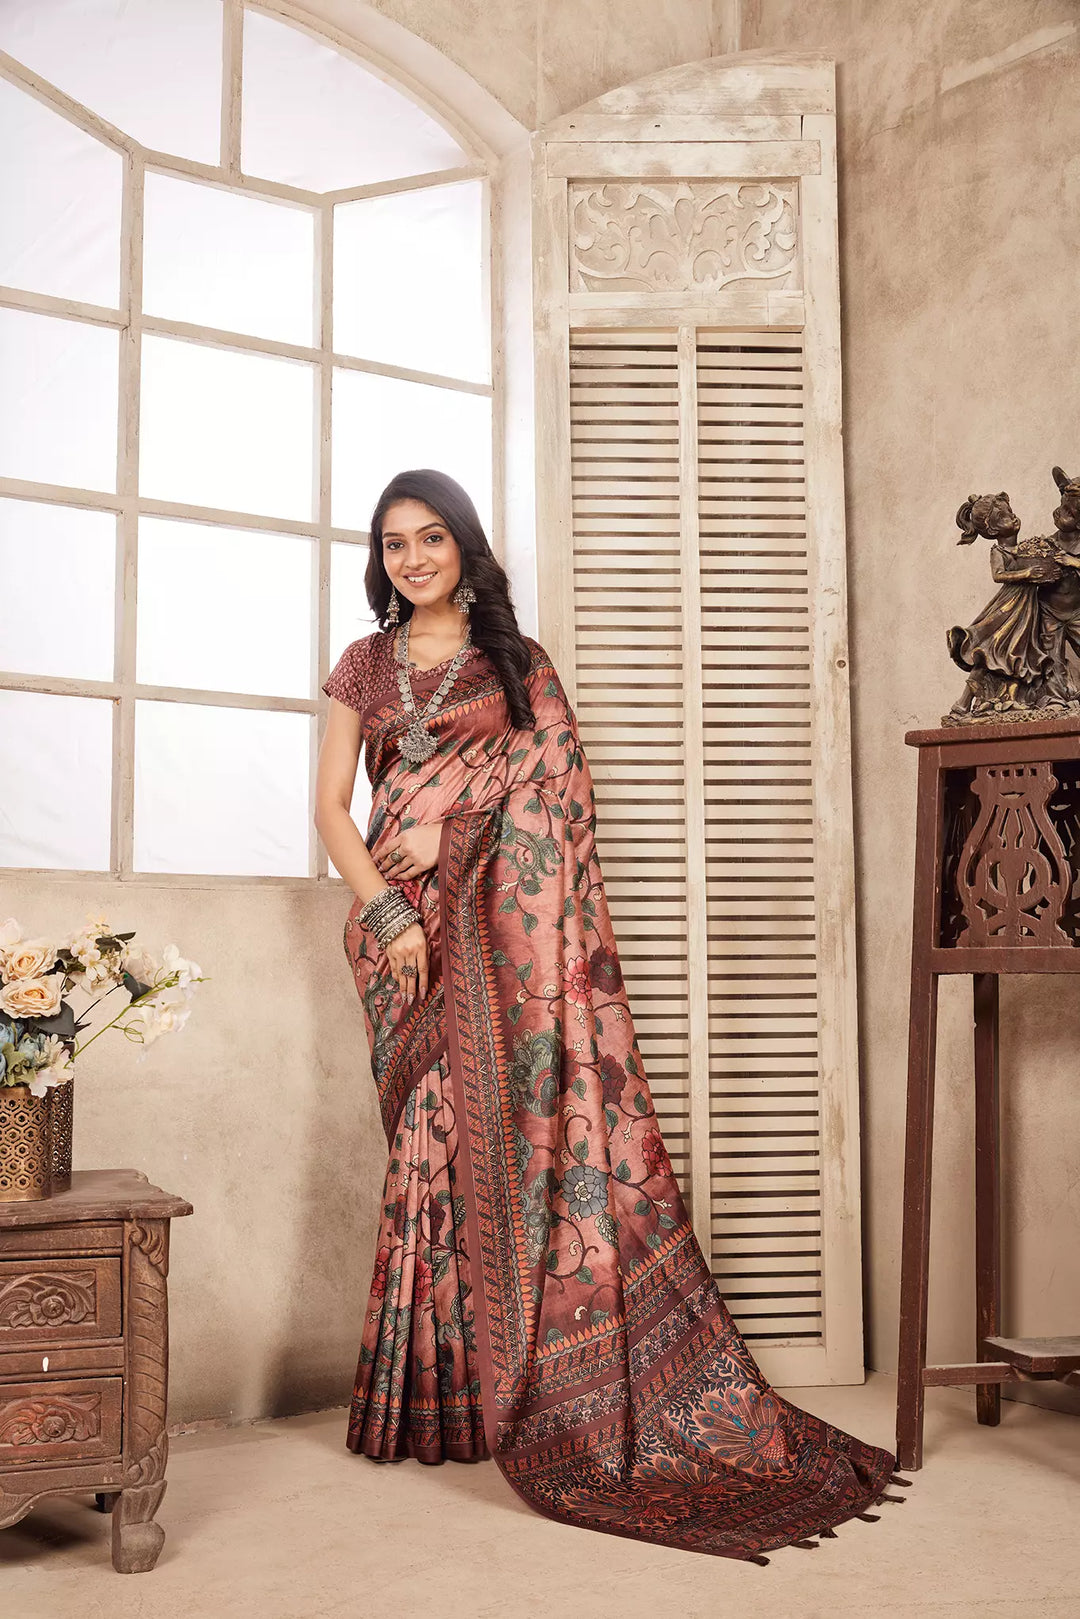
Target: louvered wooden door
[{"x": 691, "y": 561}]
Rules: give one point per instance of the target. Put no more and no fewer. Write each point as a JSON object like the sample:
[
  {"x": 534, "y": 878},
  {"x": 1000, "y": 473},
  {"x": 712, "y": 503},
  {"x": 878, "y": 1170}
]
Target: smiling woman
[{"x": 539, "y": 1294}]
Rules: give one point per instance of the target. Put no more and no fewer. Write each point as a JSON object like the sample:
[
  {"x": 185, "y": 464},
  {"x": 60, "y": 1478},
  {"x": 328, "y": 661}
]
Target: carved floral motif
[
  {"x": 47, "y": 1299},
  {"x": 50, "y": 1419},
  {"x": 681, "y": 236}
]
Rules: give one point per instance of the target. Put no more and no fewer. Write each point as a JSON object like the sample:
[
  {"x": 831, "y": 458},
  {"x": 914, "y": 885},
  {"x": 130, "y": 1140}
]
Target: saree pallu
[{"x": 539, "y": 1294}]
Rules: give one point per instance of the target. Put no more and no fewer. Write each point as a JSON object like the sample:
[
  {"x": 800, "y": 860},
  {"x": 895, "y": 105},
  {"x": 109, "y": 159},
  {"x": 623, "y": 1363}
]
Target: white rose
[
  {"x": 10, "y": 934},
  {"x": 32, "y": 997},
  {"x": 28, "y": 958}
]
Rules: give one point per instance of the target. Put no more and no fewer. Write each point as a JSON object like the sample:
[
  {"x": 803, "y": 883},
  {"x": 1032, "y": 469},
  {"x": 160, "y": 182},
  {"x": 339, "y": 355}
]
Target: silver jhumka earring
[
  {"x": 393, "y": 612},
  {"x": 464, "y": 595}
]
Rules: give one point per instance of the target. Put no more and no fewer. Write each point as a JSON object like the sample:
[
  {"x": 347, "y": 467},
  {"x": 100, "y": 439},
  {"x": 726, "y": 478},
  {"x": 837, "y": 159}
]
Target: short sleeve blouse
[{"x": 348, "y": 680}]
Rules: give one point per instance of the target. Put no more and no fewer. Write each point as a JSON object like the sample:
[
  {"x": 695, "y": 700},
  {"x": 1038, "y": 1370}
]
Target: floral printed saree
[{"x": 538, "y": 1294}]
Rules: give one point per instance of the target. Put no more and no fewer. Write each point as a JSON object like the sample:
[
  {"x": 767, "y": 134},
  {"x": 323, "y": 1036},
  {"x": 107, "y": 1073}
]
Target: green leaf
[
  {"x": 622, "y": 1173},
  {"x": 666, "y": 1221},
  {"x": 640, "y": 1102},
  {"x": 539, "y": 771},
  {"x": 556, "y": 810},
  {"x": 553, "y": 1335},
  {"x": 655, "y": 1240},
  {"x": 584, "y": 1274},
  {"x": 540, "y": 737},
  {"x": 576, "y": 809},
  {"x": 515, "y": 1011},
  {"x": 524, "y": 970},
  {"x": 430, "y": 1102},
  {"x": 581, "y": 1150},
  {"x": 533, "y": 806},
  {"x": 509, "y": 904},
  {"x": 611, "y": 1118},
  {"x": 517, "y": 755},
  {"x": 568, "y": 907},
  {"x": 578, "y": 1087},
  {"x": 596, "y": 1316},
  {"x": 552, "y": 1261},
  {"x": 629, "y": 1064},
  {"x": 499, "y": 959},
  {"x": 551, "y": 689},
  {"x": 529, "y": 921},
  {"x": 442, "y": 1195},
  {"x": 608, "y": 1227}
]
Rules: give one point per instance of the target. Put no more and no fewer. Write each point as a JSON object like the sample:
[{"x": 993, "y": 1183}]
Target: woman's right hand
[{"x": 410, "y": 948}]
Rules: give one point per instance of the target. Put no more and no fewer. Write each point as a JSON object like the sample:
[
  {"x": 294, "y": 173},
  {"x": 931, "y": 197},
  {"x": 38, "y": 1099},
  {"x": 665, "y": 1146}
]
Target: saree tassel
[
  {"x": 869, "y": 1517},
  {"x": 761, "y": 1561},
  {"x": 806, "y": 1545},
  {"x": 898, "y": 1478},
  {"x": 828, "y": 1534},
  {"x": 899, "y": 1499}
]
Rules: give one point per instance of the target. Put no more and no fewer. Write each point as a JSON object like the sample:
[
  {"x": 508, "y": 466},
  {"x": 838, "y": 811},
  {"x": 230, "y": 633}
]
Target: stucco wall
[
  {"x": 959, "y": 189},
  {"x": 959, "y": 177}
]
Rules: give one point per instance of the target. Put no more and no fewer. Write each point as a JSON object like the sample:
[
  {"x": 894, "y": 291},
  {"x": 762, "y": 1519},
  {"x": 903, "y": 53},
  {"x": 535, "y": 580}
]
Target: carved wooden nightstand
[{"x": 84, "y": 1348}]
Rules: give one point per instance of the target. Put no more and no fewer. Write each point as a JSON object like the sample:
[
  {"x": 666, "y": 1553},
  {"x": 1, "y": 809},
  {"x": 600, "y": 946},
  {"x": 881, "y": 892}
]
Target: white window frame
[{"x": 124, "y": 690}]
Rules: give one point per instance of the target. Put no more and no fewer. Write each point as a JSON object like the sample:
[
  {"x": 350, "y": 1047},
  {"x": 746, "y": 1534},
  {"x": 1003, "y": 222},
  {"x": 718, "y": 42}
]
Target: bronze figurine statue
[{"x": 1015, "y": 654}]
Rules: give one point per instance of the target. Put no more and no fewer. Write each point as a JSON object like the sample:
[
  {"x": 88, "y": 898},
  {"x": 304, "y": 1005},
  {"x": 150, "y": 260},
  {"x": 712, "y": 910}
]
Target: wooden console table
[
  {"x": 997, "y": 890},
  {"x": 84, "y": 1353}
]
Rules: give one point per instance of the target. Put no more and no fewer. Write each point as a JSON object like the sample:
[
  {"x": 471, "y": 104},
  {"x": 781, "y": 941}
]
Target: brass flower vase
[
  {"x": 25, "y": 1145},
  {"x": 61, "y": 1100}
]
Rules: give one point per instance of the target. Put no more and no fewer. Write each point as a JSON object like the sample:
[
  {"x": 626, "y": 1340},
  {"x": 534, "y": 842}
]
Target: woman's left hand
[{"x": 417, "y": 849}]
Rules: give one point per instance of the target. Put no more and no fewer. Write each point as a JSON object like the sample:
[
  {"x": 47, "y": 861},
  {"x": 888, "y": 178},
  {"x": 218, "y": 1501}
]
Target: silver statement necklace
[{"x": 418, "y": 743}]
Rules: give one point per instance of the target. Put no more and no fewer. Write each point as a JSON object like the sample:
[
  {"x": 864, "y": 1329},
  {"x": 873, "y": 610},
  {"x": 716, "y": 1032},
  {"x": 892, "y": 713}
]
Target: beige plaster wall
[
  {"x": 262, "y": 1111},
  {"x": 960, "y": 224}
]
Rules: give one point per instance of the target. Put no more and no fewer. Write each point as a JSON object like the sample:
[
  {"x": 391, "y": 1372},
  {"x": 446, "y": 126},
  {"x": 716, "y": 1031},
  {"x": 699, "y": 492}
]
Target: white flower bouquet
[{"x": 39, "y": 1031}]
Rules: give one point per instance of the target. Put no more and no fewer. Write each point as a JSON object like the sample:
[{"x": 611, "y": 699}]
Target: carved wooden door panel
[{"x": 692, "y": 589}]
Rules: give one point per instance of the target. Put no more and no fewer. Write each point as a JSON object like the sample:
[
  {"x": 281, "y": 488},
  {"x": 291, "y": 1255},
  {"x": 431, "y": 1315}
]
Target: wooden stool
[{"x": 997, "y": 854}]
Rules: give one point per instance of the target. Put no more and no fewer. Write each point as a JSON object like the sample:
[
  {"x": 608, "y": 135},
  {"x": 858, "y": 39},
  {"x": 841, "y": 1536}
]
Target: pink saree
[{"x": 538, "y": 1294}]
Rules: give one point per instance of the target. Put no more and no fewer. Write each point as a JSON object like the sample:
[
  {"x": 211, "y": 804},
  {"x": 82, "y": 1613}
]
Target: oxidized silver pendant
[{"x": 417, "y": 744}]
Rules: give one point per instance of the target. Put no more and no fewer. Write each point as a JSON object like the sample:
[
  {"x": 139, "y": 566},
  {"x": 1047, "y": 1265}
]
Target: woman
[{"x": 538, "y": 1292}]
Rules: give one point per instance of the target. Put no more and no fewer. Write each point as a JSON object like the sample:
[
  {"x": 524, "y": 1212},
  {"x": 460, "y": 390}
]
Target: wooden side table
[
  {"x": 997, "y": 890},
  {"x": 84, "y": 1353}
]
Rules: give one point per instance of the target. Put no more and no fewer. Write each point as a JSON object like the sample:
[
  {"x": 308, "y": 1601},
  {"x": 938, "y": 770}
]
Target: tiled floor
[{"x": 279, "y": 1521}]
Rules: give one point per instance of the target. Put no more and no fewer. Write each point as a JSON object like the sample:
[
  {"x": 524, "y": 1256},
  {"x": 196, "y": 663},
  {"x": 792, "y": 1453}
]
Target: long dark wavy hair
[{"x": 492, "y": 619}]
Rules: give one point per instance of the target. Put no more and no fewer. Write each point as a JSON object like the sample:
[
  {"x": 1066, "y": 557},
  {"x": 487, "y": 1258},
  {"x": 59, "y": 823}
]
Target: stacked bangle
[{"x": 387, "y": 914}]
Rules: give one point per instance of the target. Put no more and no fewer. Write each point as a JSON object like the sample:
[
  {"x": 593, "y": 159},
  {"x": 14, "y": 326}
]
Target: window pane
[
  {"x": 59, "y": 203},
  {"x": 237, "y": 263},
  {"x": 151, "y": 67},
  {"x": 56, "y": 804},
  {"x": 383, "y": 425},
  {"x": 314, "y": 118},
  {"x": 350, "y": 615},
  {"x": 58, "y": 401},
  {"x": 65, "y": 558},
  {"x": 249, "y": 813},
  {"x": 232, "y": 431},
  {"x": 223, "y": 609},
  {"x": 408, "y": 281}
]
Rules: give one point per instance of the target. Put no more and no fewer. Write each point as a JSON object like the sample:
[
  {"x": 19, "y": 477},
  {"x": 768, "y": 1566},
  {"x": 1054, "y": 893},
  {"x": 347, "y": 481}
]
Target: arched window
[{"x": 243, "y": 280}]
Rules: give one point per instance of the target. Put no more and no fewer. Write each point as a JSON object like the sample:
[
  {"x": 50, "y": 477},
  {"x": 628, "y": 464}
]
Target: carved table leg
[
  {"x": 987, "y": 1189},
  {"x": 136, "y": 1539}
]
